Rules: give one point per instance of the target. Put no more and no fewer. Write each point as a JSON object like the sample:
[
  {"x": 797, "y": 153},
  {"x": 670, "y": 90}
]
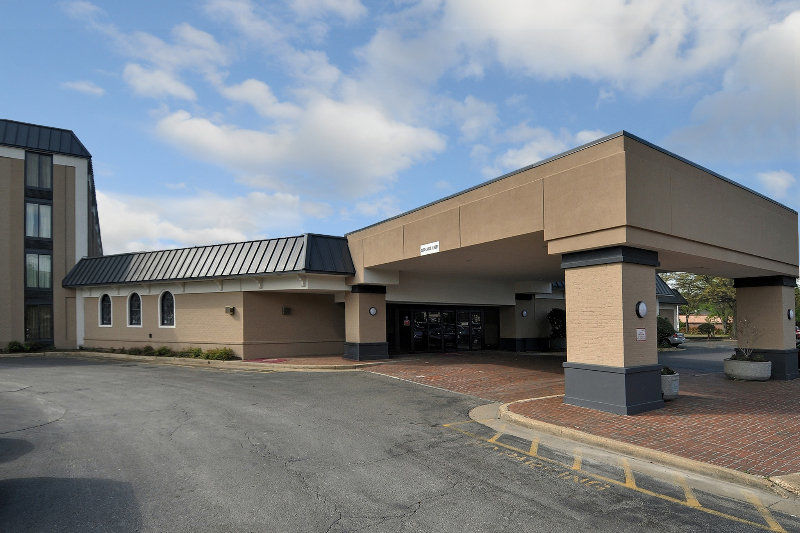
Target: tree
[{"x": 706, "y": 293}]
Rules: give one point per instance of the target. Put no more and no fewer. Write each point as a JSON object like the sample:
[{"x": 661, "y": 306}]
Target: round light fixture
[
  {"x": 373, "y": 311},
  {"x": 790, "y": 314},
  {"x": 524, "y": 313},
  {"x": 641, "y": 309}
]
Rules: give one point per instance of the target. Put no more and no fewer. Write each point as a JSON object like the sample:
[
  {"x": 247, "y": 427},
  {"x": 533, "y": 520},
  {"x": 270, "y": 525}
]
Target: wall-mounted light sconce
[
  {"x": 641, "y": 309},
  {"x": 790, "y": 314},
  {"x": 373, "y": 311},
  {"x": 230, "y": 310},
  {"x": 524, "y": 313}
]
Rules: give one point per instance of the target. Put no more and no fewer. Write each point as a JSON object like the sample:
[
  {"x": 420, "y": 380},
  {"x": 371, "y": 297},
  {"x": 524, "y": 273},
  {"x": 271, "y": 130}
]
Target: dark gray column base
[
  {"x": 529, "y": 344},
  {"x": 619, "y": 390},
  {"x": 784, "y": 363},
  {"x": 363, "y": 351}
]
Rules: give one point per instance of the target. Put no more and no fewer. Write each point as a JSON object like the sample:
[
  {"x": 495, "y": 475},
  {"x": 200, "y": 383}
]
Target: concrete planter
[
  {"x": 748, "y": 370},
  {"x": 669, "y": 386}
]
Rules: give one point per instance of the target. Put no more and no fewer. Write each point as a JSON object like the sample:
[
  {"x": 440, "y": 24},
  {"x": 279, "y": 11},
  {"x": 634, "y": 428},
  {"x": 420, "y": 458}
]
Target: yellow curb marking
[
  {"x": 773, "y": 525},
  {"x": 691, "y": 501},
  {"x": 629, "y": 483},
  {"x": 534, "y": 447},
  {"x": 453, "y": 424},
  {"x": 576, "y": 464}
]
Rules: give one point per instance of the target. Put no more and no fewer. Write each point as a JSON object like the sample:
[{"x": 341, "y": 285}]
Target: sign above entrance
[{"x": 430, "y": 248}]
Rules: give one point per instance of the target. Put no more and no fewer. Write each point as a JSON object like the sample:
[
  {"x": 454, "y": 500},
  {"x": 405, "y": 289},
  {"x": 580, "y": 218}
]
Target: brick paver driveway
[{"x": 748, "y": 426}]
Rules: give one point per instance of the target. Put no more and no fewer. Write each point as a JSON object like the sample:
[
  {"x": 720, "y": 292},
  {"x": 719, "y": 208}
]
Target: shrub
[
  {"x": 135, "y": 351},
  {"x": 163, "y": 351},
  {"x": 667, "y": 371},
  {"x": 195, "y": 352},
  {"x": 148, "y": 350},
  {"x": 15, "y": 347},
  {"x": 664, "y": 329},
  {"x": 706, "y": 328},
  {"x": 33, "y": 346},
  {"x": 558, "y": 323},
  {"x": 220, "y": 354}
]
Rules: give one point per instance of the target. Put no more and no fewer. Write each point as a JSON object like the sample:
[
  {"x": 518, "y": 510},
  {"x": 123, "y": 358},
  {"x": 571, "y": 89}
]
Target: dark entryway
[{"x": 426, "y": 328}]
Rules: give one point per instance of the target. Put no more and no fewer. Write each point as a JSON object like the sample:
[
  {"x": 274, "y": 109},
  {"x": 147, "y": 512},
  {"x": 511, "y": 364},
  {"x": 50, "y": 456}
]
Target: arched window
[
  {"x": 134, "y": 310},
  {"x": 167, "y": 309},
  {"x": 105, "y": 310}
]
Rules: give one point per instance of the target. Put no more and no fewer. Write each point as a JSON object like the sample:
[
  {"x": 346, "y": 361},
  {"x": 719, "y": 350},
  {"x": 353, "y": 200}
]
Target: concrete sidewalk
[{"x": 302, "y": 364}]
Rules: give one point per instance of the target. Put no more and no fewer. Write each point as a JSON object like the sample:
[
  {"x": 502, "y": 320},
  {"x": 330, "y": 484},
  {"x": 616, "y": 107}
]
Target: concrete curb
[
  {"x": 202, "y": 363},
  {"x": 778, "y": 484}
]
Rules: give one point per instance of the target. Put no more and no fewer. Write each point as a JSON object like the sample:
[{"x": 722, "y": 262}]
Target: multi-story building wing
[{"x": 48, "y": 222}]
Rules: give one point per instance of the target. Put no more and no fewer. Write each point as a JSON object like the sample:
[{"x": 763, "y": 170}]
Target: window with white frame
[
  {"x": 105, "y": 310},
  {"x": 134, "y": 310},
  {"x": 167, "y": 309}
]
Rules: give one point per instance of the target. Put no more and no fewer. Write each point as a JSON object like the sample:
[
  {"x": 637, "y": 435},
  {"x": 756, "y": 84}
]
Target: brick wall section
[{"x": 601, "y": 318}]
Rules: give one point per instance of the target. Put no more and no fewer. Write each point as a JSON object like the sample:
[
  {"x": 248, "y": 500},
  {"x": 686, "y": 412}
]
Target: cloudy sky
[{"x": 222, "y": 120}]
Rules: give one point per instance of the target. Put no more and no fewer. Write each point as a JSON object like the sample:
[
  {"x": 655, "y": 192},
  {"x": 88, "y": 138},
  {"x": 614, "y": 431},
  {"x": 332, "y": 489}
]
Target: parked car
[
  {"x": 797, "y": 333},
  {"x": 676, "y": 339}
]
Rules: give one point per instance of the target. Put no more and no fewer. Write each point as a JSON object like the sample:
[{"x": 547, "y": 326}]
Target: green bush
[
  {"x": 706, "y": 328},
  {"x": 220, "y": 354},
  {"x": 148, "y": 350},
  {"x": 15, "y": 347},
  {"x": 667, "y": 371},
  {"x": 163, "y": 351},
  {"x": 664, "y": 329},
  {"x": 134, "y": 351},
  {"x": 558, "y": 323},
  {"x": 194, "y": 352}
]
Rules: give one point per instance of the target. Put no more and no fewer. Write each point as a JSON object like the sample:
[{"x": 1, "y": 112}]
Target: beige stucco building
[{"x": 586, "y": 231}]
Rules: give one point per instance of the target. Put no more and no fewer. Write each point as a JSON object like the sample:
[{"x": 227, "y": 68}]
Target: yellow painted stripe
[
  {"x": 453, "y": 424},
  {"x": 691, "y": 501},
  {"x": 630, "y": 481},
  {"x": 576, "y": 464},
  {"x": 534, "y": 447},
  {"x": 494, "y": 439},
  {"x": 771, "y": 522}
]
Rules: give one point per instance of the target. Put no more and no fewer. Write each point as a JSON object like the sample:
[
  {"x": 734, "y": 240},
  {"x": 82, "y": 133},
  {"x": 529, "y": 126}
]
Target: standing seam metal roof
[
  {"x": 42, "y": 138},
  {"x": 310, "y": 253}
]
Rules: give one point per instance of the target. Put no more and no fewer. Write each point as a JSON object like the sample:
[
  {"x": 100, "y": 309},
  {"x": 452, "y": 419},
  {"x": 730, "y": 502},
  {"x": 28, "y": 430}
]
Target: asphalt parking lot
[
  {"x": 101, "y": 446},
  {"x": 704, "y": 356}
]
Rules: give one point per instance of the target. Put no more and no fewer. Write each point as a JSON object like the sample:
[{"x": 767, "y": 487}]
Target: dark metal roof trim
[
  {"x": 308, "y": 253},
  {"x": 41, "y": 138},
  {"x": 666, "y": 294},
  {"x": 621, "y": 133}
]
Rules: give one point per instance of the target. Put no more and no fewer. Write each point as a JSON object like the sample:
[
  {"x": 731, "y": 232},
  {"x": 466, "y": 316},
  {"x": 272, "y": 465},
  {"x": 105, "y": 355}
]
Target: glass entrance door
[
  {"x": 462, "y": 330},
  {"x": 476, "y": 330}
]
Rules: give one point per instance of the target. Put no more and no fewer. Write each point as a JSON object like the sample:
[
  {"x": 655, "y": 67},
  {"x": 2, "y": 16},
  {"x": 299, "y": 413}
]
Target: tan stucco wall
[
  {"x": 514, "y": 326},
  {"x": 360, "y": 326},
  {"x": 12, "y": 245},
  {"x": 63, "y": 252},
  {"x": 601, "y": 317},
  {"x": 200, "y": 320},
  {"x": 766, "y": 308},
  {"x": 315, "y": 325},
  {"x": 526, "y": 202}
]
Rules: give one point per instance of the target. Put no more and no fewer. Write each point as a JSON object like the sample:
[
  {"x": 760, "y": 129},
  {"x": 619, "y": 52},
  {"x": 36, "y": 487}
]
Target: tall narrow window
[
  {"x": 167, "y": 307},
  {"x": 134, "y": 310},
  {"x": 38, "y": 271},
  {"x": 38, "y": 220},
  {"x": 105, "y": 310},
  {"x": 38, "y": 171},
  {"x": 39, "y": 323}
]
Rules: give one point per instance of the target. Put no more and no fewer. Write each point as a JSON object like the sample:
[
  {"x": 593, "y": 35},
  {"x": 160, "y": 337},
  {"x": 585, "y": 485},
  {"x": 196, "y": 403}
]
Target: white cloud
[
  {"x": 258, "y": 95},
  {"x": 637, "y": 46},
  {"x": 776, "y": 183},
  {"x": 537, "y": 144},
  {"x": 383, "y": 207},
  {"x": 194, "y": 220},
  {"x": 85, "y": 87},
  {"x": 247, "y": 18},
  {"x": 476, "y": 117},
  {"x": 756, "y": 113},
  {"x": 349, "y": 10},
  {"x": 333, "y": 148},
  {"x": 156, "y": 83}
]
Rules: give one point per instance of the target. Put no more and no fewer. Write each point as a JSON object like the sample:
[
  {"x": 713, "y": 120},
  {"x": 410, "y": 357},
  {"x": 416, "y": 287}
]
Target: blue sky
[{"x": 223, "y": 120}]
